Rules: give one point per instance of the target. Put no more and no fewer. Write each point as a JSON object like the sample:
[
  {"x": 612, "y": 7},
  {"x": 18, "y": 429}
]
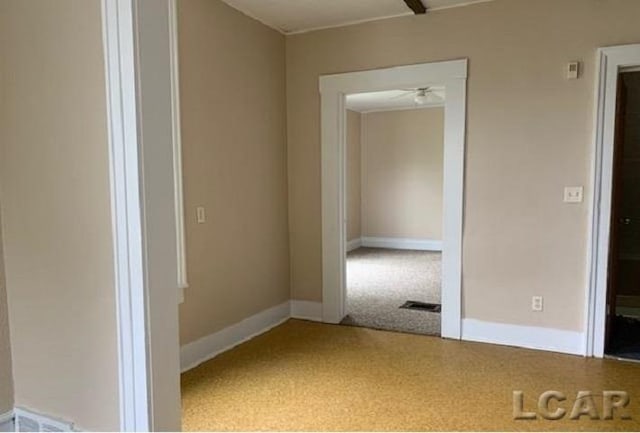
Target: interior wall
[
  {"x": 529, "y": 134},
  {"x": 354, "y": 191},
  {"x": 402, "y": 170},
  {"x": 56, "y": 214},
  {"x": 6, "y": 374},
  {"x": 232, "y": 87}
]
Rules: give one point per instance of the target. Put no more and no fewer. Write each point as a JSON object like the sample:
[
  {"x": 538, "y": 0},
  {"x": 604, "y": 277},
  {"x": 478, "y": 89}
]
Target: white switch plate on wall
[
  {"x": 537, "y": 303},
  {"x": 201, "y": 216},
  {"x": 573, "y": 194},
  {"x": 573, "y": 70}
]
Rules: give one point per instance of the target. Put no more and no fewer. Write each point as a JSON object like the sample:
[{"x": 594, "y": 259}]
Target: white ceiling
[
  {"x": 388, "y": 100},
  {"x": 296, "y": 16}
]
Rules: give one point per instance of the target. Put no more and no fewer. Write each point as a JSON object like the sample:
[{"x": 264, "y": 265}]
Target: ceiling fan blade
[
  {"x": 433, "y": 97},
  {"x": 402, "y": 95}
]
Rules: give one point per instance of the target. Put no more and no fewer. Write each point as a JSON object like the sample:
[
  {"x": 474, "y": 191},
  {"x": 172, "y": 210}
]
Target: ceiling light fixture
[{"x": 421, "y": 97}]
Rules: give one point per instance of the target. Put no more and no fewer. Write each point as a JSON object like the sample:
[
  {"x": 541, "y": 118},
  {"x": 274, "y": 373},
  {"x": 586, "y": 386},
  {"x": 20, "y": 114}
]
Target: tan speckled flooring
[{"x": 309, "y": 376}]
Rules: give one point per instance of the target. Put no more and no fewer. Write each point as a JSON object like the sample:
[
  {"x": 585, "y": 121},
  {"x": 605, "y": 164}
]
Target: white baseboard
[
  {"x": 199, "y": 351},
  {"x": 6, "y": 422},
  {"x": 402, "y": 243},
  {"x": 306, "y": 310},
  {"x": 530, "y": 337},
  {"x": 354, "y": 244}
]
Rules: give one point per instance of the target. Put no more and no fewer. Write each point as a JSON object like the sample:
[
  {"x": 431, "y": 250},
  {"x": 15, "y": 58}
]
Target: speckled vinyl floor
[{"x": 304, "y": 376}]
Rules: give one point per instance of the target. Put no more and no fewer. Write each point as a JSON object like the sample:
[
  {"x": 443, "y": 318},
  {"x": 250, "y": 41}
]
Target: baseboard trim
[
  {"x": 530, "y": 337},
  {"x": 6, "y": 422},
  {"x": 354, "y": 244},
  {"x": 306, "y": 310},
  {"x": 206, "y": 348},
  {"x": 402, "y": 243}
]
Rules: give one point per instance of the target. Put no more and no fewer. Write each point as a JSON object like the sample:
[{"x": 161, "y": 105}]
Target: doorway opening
[
  {"x": 610, "y": 301},
  {"x": 394, "y": 195},
  {"x": 451, "y": 78},
  {"x": 622, "y": 334}
]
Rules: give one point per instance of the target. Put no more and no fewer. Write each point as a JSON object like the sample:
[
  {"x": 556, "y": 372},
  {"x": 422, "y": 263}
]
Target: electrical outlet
[
  {"x": 537, "y": 303},
  {"x": 201, "y": 216}
]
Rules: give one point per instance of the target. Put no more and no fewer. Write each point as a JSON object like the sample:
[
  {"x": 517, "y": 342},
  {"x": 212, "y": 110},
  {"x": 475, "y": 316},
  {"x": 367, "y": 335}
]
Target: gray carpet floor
[{"x": 379, "y": 281}]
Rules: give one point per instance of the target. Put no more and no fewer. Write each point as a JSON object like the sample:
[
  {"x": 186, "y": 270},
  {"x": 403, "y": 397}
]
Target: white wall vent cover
[{"x": 27, "y": 421}]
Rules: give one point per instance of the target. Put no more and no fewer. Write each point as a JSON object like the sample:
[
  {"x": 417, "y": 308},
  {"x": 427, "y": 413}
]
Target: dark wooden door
[{"x": 616, "y": 210}]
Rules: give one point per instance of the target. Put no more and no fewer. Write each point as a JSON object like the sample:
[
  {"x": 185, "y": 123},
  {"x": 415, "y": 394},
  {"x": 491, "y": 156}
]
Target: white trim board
[
  {"x": 610, "y": 61},
  {"x": 120, "y": 29},
  {"x": 529, "y": 337},
  {"x": 354, "y": 244},
  {"x": 306, "y": 310},
  {"x": 177, "y": 151},
  {"x": 6, "y": 422},
  {"x": 206, "y": 348},
  {"x": 403, "y": 243},
  {"x": 138, "y": 53},
  {"x": 452, "y": 75}
]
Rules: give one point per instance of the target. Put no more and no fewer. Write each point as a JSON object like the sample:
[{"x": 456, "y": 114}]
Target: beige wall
[
  {"x": 54, "y": 190},
  {"x": 529, "y": 134},
  {"x": 354, "y": 193},
  {"x": 6, "y": 376},
  {"x": 402, "y": 163},
  {"x": 234, "y": 149}
]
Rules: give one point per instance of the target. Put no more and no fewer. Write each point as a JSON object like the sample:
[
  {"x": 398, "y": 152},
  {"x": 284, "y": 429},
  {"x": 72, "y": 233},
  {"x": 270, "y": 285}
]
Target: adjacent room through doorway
[
  {"x": 623, "y": 321},
  {"x": 394, "y": 183}
]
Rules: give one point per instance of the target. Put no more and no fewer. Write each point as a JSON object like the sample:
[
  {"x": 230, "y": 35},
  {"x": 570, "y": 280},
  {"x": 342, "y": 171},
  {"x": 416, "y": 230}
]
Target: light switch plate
[
  {"x": 537, "y": 303},
  {"x": 201, "y": 216},
  {"x": 573, "y": 70},
  {"x": 573, "y": 194}
]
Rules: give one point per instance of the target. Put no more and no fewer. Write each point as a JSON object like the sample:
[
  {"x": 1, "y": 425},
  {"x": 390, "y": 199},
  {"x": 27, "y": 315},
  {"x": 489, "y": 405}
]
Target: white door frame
[
  {"x": 141, "y": 127},
  {"x": 333, "y": 89},
  {"x": 611, "y": 61}
]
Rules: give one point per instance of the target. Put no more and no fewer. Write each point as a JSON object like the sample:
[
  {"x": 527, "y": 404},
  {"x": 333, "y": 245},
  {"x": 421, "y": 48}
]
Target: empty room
[
  {"x": 314, "y": 215},
  {"x": 395, "y": 144}
]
